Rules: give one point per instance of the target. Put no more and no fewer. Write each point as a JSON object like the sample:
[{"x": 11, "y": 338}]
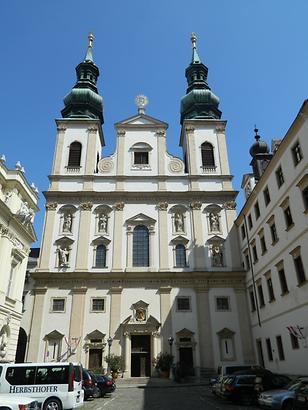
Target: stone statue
[
  {"x": 214, "y": 221},
  {"x": 67, "y": 223},
  {"x": 3, "y": 342},
  {"x": 102, "y": 223},
  {"x": 217, "y": 255},
  {"x": 25, "y": 213},
  {"x": 8, "y": 195},
  {"x": 63, "y": 256},
  {"x": 178, "y": 222}
]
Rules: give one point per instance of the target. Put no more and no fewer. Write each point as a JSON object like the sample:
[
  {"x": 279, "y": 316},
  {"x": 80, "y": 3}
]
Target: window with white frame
[
  {"x": 100, "y": 252},
  {"x": 141, "y": 153},
  {"x": 58, "y": 305},
  {"x": 180, "y": 251},
  {"x": 226, "y": 344},
  {"x": 97, "y": 304}
]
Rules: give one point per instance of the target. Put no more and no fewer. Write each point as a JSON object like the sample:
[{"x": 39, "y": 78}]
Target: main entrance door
[{"x": 141, "y": 356}]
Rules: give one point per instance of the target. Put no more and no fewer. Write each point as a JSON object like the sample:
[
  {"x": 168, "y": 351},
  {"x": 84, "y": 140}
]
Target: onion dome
[
  {"x": 199, "y": 101},
  {"x": 259, "y": 147},
  {"x": 83, "y": 101}
]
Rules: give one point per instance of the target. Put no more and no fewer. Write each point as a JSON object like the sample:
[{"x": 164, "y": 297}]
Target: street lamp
[
  {"x": 170, "y": 341},
  {"x": 109, "y": 341}
]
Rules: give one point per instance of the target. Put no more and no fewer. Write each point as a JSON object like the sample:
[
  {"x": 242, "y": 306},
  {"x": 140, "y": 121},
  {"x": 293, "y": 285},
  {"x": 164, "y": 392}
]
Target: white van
[{"x": 56, "y": 386}]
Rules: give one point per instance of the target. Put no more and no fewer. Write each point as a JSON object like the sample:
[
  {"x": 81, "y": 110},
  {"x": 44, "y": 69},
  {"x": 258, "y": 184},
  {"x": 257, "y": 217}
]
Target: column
[
  {"x": 161, "y": 139},
  {"x": 245, "y": 326},
  {"x": 84, "y": 237},
  {"x": 46, "y": 248},
  {"x": 198, "y": 238},
  {"x": 165, "y": 317},
  {"x": 77, "y": 320},
  {"x": 115, "y": 318},
  {"x": 163, "y": 236},
  {"x": 205, "y": 328},
  {"x": 35, "y": 337},
  {"x": 120, "y": 159},
  {"x": 117, "y": 238},
  {"x": 127, "y": 353},
  {"x": 59, "y": 150}
]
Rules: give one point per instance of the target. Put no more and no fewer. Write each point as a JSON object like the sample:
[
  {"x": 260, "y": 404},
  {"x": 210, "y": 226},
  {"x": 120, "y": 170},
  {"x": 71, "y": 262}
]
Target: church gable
[{"x": 141, "y": 120}]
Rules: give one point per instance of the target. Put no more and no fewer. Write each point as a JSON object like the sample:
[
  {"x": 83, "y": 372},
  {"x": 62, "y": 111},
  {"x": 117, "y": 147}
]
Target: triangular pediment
[
  {"x": 140, "y": 304},
  {"x": 101, "y": 239},
  {"x": 179, "y": 239},
  {"x": 54, "y": 335},
  {"x": 216, "y": 239},
  {"x": 96, "y": 334},
  {"x": 64, "y": 240},
  {"x": 225, "y": 333},
  {"x": 185, "y": 333},
  {"x": 141, "y": 120},
  {"x": 140, "y": 218}
]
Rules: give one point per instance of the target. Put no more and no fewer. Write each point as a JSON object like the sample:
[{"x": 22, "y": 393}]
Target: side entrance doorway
[
  {"x": 95, "y": 358},
  {"x": 186, "y": 361},
  {"x": 140, "y": 355}
]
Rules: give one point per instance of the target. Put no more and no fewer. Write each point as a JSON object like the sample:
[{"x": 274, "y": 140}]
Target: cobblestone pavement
[{"x": 162, "y": 398}]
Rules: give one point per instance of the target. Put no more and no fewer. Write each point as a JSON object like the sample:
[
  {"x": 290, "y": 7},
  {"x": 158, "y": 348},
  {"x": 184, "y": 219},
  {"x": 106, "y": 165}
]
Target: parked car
[
  {"x": 228, "y": 369},
  {"x": 281, "y": 398},
  {"x": 11, "y": 402},
  {"x": 105, "y": 384},
  {"x": 89, "y": 385},
  {"x": 240, "y": 388},
  {"x": 301, "y": 396}
]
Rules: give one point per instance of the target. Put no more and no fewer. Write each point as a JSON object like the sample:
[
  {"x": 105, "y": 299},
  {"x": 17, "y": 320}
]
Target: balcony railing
[
  {"x": 72, "y": 169},
  {"x": 207, "y": 169}
]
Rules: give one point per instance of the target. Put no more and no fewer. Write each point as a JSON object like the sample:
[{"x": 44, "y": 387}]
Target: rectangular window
[
  {"x": 23, "y": 375},
  {"x": 261, "y": 295},
  {"x": 297, "y": 153},
  {"x": 98, "y": 304},
  {"x": 254, "y": 253},
  {"x": 282, "y": 280},
  {"x": 280, "y": 348},
  {"x": 279, "y": 177},
  {"x": 299, "y": 268},
  {"x": 183, "y": 303},
  {"x": 273, "y": 233},
  {"x": 288, "y": 217},
  {"x": 266, "y": 195},
  {"x": 141, "y": 158},
  {"x": 10, "y": 284},
  {"x": 294, "y": 341},
  {"x": 52, "y": 375},
  {"x": 257, "y": 210},
  {"x": 222, "y": 303},
  {"x": 305, "y": 197},
  {"x": 270, "y": 289},
  {"x": 249, "y": 221},
  {"x": 263, "y": 244},
  {"x": 269, "y": 350},
  {"x": 243, "y": 232},
  {"x": 247, "y": 261},
  {"x": 252, "y": 301},
  {"x": 58, "y": 304}
]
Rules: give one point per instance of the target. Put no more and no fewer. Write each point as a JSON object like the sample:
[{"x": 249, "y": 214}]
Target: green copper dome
[
  {"x": 83, "y": 101},
  {"x": 199, "y": 101}
]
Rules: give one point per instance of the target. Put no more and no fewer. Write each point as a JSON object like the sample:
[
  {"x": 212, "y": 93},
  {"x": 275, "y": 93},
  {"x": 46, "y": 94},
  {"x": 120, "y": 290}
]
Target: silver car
[{"x": 279, "y": 399}]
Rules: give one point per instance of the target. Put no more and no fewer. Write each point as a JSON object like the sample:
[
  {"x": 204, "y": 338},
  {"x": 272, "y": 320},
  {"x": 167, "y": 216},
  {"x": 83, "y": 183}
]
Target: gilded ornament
[
  {"x": 51, "y": 206},
  {"x": 163, "y": 206},
  {"x": 196, "y": 205},
  {"x": 86, "y": 206},
  {"x": 230, "y": 205},
  {"x": 119, "y": 206}
]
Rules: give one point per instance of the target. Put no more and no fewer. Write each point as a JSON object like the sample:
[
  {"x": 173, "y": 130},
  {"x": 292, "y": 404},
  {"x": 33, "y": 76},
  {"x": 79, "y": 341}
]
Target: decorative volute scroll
[{"x": 105, "y": 165}]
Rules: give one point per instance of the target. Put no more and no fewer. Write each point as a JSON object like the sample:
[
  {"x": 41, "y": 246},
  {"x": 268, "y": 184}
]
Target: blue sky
[{"x": 256, "y": 52}]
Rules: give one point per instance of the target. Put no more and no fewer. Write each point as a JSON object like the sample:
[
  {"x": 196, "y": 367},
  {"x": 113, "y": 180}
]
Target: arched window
[
  {"x": 100, "y": 258},
  {"x": 180, "y": 256},
  {"x": 74, "y": 154},
  {"x": 141, "y": 246},
  {"x": 207, "y": 154}
]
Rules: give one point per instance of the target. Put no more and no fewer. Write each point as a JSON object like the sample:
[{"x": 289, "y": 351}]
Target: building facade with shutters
[
  {"x": 140, "y": 246},
  {"x": 273, "y": 233},
  {"x": 18, "y": 205}
]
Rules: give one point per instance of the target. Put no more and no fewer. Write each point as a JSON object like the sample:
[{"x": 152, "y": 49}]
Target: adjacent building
[
  {"x": 18, "y": 205},
  {"x": 273, "y": 235},
  {"x": 140, "y": 247}
]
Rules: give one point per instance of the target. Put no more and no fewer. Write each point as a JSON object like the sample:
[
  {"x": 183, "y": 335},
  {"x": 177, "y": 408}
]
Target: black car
[
  {"x": 105, "y": 384},
  {"x": 240, "y": 389},
  {"x": 301, "y": 397},
  {"x": 89, "y": 385}
]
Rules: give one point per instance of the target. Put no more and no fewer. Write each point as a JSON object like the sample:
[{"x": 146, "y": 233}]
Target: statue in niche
[
  {"x": 217, "y": 255},
  {"x": 214, "y": 222},
  {"x": 102, "y": 223},
  {"x": 140, "y": 315},
  {"x": 179, "y": 222},
  {"x": 63, "y": 257},
  {"x": 67, "y": 223}
]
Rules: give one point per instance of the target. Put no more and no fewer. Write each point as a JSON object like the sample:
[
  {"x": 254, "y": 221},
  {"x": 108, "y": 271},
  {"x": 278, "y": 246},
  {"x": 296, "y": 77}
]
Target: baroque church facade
[{"x": 139, "y": 248}]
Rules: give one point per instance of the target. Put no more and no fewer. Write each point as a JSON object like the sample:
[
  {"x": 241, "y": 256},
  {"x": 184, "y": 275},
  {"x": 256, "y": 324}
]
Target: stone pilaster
[
  {"x": 115, "y": 318},
  {"x": 161, "y": 139},
  {"x": 222, "y": 149},
  {"x": 35, "y": 337},
  {"x": 91, "y": 154},
  {"x": 163, "y": 236},
  {"x": 199, "y": 249},
  {"x": 165, "y": 317},
  {"x": 245, "y": 326},
  {"x": 117, "y": 239},
  {"x": 191, "y": 157},
  {"x": 46, "y": 248},
  {"x": 120, "y": 159},
  {"x": 127, "y": 353},
  {"x": 77, "y": 319},
  {"x": 84, "y": 237},
  {"x": 205, "y": 328},
  {"x": 230, "y": 207},
  {"x": 59, "y": 151}
]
